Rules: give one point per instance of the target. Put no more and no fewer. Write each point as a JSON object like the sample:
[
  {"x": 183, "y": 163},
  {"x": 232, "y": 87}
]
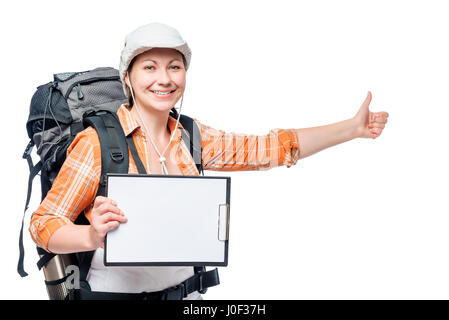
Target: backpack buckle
[
  {"x": 201, "y": 288},
  {"x": 28, "y": 149},
  {"x": 117, "y": 156},
  {"x": 88, "y": 114}
]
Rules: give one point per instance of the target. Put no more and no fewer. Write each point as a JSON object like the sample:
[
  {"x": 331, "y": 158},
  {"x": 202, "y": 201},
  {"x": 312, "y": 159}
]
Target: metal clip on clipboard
[{"x": 223, "y": 222}]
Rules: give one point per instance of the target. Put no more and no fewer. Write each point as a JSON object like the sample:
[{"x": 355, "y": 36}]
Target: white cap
[{"x": 152, "y": 35}]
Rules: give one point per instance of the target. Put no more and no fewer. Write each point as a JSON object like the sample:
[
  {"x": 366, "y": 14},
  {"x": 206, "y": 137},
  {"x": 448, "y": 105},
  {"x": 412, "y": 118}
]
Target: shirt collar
[{"x": 130, "y": 124}]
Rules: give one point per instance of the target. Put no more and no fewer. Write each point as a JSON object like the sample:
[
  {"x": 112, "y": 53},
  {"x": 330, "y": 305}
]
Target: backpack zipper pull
[{"x": 79, "y": 92}]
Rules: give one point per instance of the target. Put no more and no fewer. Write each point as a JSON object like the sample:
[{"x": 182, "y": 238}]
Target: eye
[
  {"x": 175, "y": 67},
  {"x": 147, "y": 67}
]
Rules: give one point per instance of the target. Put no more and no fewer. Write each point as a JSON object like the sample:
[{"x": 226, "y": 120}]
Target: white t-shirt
[{"x": 136, "y": 279}]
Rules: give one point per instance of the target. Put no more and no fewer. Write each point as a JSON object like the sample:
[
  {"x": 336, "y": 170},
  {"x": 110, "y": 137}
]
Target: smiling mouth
[{"x": 162, "y": 93}]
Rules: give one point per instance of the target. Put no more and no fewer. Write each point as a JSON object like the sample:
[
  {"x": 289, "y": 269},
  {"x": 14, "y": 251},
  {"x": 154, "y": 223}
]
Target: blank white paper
[{"x": 170, "y": 219}]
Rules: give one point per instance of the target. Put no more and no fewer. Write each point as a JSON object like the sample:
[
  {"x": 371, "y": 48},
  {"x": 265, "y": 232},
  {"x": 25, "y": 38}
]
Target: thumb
[
  {"x": 367, "y": 101},
  {"x": 363, "y": 113}
]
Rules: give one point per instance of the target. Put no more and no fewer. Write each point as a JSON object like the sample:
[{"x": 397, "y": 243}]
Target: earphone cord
[{"x": 161, "y": 157}]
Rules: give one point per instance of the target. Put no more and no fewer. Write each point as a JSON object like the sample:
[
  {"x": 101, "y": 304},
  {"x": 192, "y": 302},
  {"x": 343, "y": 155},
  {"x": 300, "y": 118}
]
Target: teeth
[{"x": 162, "y": 93}]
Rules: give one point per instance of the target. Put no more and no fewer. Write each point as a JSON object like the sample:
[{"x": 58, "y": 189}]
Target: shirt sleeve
[
  {"x": 239, "y": 152},
  {"x": 73, "y": 190}
]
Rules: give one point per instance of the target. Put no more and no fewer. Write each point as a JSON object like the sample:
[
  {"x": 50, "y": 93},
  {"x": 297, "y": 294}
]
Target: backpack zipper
[{"x": 79, "y": 92}]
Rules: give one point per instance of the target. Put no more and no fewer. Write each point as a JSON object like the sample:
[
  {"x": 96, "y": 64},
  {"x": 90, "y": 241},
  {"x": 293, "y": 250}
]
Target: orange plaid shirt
[{"x": 74, "y": 189}]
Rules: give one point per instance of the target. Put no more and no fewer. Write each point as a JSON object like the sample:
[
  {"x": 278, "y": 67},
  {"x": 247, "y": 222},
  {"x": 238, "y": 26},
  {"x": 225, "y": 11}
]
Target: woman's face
[{"x": 158, "y": 78}]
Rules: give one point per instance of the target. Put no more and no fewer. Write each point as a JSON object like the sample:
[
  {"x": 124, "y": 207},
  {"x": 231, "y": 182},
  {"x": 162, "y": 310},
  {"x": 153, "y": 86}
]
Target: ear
[{"x": 126, "y": 79}]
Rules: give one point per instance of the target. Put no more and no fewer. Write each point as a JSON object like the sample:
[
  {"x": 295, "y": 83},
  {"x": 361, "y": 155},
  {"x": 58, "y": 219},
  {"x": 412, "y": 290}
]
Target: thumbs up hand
[{"x": 369, "y": 124}]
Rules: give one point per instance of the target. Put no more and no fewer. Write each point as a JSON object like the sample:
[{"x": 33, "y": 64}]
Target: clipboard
[{"x": 173, "y": 220}]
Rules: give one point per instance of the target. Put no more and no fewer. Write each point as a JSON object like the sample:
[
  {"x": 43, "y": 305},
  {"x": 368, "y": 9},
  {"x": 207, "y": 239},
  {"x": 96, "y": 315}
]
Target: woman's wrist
[
  {"x": 93, "y": 241},
  {"x": 357, "y": 128}
]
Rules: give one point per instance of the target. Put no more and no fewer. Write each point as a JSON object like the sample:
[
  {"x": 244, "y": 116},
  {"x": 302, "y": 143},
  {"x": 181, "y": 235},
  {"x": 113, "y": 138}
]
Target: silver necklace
[{"x": 162, "y": 159}]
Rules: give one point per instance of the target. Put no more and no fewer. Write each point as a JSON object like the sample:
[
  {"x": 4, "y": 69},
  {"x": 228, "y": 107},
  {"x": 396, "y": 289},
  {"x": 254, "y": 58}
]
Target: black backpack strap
[
  {"x": 34, "y": 170},
  {"x": 98, "y": 124},
  {"x": 135, "y": 155},
  {"x": 198, "y": 282},
  {"x": 213, "y": 274},
  {"x": 114, "y": 151},
  {"x": 46, "y": 257},
  {"x": 114, "y": 159},
  {"x": 118, "y": 149},
  {"x": 193, "y": 141},
  {"x": 84, "y": 261}
]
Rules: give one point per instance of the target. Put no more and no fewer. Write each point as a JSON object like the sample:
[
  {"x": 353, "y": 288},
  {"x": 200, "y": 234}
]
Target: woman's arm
[
  {"x": 229, "y": 151},
  {"x": 71, "y": 238},
  {"x": 73, "y": 191},
  {"x": 226, "y": 151},
  {"x": 315, "y": 139},
  {"x": 106, "y": 216},
  {"x": 365, "y": 124}
]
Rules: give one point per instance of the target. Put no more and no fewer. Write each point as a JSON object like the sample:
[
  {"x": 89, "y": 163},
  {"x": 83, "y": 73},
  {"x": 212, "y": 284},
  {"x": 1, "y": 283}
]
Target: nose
[{"x": 164, "y": 77}]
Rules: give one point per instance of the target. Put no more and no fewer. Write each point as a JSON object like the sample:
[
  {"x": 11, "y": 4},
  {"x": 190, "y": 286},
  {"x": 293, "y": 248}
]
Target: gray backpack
[{"x": 59, "y": 110}]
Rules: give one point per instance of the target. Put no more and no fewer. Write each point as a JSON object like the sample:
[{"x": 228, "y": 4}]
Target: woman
[{"x": 153, "y": 69}]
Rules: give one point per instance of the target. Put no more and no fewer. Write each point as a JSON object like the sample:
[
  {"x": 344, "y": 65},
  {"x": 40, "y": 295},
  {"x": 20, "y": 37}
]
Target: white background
[{"x": 366, "y": 219}]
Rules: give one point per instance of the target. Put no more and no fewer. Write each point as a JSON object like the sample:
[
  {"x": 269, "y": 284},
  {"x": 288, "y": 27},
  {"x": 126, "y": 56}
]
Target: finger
[
  {"x": 376, "y": 131},
  {"x": 111, "y": 226},
  {"x": 376, "y": 125},
  {"x": 107, "y": 207},
  {"x": 380, "y": 120},
  {"x": 113, "y": 217},
  {"x": 381, "y": 116},
  {"x": 99, "y": 200},
  {"x": 105, "y": 228}
]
